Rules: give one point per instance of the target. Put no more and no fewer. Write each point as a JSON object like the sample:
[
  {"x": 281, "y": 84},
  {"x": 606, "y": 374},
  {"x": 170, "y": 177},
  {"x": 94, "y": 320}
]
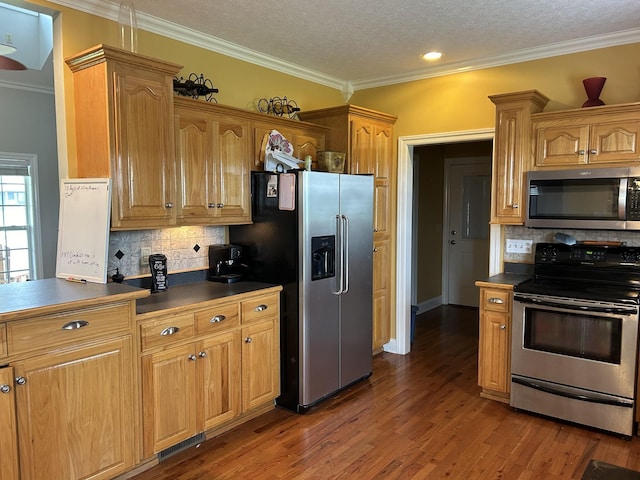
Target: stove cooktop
[{"x": 581, "y": 290}]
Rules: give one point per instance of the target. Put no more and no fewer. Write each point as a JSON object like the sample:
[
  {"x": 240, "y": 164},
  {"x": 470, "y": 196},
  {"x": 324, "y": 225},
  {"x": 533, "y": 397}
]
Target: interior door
[{"x": 468, "y": 204}]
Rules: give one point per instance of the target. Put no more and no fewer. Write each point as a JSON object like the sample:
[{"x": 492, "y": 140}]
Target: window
[{"x": 20, "y": 257}]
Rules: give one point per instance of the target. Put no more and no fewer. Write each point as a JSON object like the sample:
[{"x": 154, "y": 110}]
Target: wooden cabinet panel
[
  {"x": 561, "y": 145},
  {"x": 169, "y": 397},
  {"x": 8, "y": 427},
  {"x": 124, "y": 130},
  {"x": 260, "y": 308},
  {"x": 167, "y": 330},
  {"x": 512, "y": 153},
  {"x": 306, "y": 139},
  {"x": 614, "y": 142},
  {"x": 215, "y": 319},
  {"x": 66, "y": 328},
  {"x": 494, "y": 349},
  {"x": 79, "y": 402},
  {"x": 3, "y": 340},
  {"x": 381, "y": 312},
  {"x": 219, "y": 370},
  {"x": 260, "y": 364}
]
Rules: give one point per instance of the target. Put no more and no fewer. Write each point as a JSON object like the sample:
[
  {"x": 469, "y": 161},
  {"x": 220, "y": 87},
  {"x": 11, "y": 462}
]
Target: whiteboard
[{"x": 83, "y": 229}]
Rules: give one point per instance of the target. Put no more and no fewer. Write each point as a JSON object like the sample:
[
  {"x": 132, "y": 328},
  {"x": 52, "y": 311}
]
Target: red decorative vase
[{"x": 593, "y": 86}]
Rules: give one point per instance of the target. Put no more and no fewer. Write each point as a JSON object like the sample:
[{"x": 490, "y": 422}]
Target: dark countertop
[
  {"x": 192, "y": 293},
  {"x": 507, "y": 279},
  {"x": 39, "y": 297}
]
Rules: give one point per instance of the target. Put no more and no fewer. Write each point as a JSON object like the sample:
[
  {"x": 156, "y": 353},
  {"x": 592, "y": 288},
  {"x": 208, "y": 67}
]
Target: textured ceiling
[{"x": 365, "y": 40}]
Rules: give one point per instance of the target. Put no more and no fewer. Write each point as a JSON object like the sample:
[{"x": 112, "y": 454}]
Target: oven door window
[{"x": 574, "y": 334}]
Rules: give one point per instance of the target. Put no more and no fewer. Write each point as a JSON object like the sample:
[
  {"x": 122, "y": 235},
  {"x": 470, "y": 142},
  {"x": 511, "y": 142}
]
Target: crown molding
[
  {"x": 553, "y": 50},
  {"x": 168, "y": 29},
  {"x": 109, "y": 10},
  {"x": 27, "y": 88}
]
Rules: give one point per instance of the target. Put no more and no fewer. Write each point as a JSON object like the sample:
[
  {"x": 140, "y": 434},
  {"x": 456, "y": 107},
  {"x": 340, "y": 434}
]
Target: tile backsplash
[
  {"x": 186, "y": 248},
  {"x": 630, "y": 238}
]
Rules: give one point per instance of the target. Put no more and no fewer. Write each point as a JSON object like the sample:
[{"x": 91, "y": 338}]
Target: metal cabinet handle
[
  {"x": 248, "y": 340},
  {"x": 202, "y": 354},
  {"x": 217, "y": 319},
  {"x": 74, "y": 325},
  {"x": 495, "y": 300},
  {"x": 220, "y": 205},
  {"x": 21, "y": 380},
  {"x": 5, "y": 388},
  {"x": 170, "y": 331},
  {"x": 580, "y": 152},
  {"x": 375, "y": 250},
  {"x": 593, "y": 151},
  {"x": 261, "y": 308},
  {"x": 503, "y": 327},
  {"x": 211, "y": 205},
  {"x": 192, "y": 357}
]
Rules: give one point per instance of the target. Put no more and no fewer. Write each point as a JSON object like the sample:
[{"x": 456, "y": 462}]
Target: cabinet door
[
  {"x": 381, "y": 313},
  {"x": 169, "y": 397},
  {"x": 362, "y": 159},
  {"x": 219, "y": 368},
  {"x": 144, "y": 182},
  {"x": 61, "y": 397},
  {"x": 494, "y": 348},
  {"x": 196, "y": 175},
  {"x": 232, "y": 169},
  {"x": 308, "y": 144},
  {"x": 260, "y": 364},
  {"x": 614, "y": 142},
  {"x": 561, "y": 145},
  {"x": 261, "y": 133},
  {"x": 8, "y": 427}
]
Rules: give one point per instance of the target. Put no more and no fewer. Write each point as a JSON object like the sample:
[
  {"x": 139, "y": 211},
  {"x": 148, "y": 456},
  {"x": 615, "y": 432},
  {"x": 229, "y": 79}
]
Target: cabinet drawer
[
  {"x": 53, "y": 330},
  {"x": 259, "y": 308},
  {"x": 166, "y": 330},
  {"x": 496, "y": 300},
  {"x": 218, "y": 318}
]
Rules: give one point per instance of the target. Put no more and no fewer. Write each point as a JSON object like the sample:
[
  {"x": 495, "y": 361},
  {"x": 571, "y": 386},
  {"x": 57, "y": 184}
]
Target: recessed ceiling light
[{"x": 432, "y": 55}]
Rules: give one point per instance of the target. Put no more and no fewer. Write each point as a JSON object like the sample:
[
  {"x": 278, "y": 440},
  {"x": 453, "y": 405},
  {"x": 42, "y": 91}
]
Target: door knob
[
  {"x": 453, "y": 232},
  {"x": 452, "y": 242},
  {"x": 5, "y": 388}
]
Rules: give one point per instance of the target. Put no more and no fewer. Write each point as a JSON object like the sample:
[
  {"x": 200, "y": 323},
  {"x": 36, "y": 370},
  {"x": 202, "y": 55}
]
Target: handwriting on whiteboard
[
  {"x": 73, "y": 257},
  {"x": 70, "y": 189}
]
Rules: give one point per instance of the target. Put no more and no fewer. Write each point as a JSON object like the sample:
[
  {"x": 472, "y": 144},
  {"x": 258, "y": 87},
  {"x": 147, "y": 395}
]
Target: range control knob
[{"x": 547, "y": 254}]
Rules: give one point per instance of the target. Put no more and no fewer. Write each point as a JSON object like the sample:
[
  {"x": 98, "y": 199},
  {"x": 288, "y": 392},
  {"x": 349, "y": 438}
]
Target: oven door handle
[
  {"x": 575, "y": 396},
  {"x": 582, "y": 308}
]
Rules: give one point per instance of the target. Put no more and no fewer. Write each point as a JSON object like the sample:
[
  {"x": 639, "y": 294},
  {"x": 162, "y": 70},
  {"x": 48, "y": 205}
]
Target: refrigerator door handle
[
  {"x": 345, "y": 253},
  {"x": 339, "y": 278}
]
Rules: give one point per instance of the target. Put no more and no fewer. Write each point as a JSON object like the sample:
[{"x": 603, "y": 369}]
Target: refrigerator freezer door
[
  {"x": 318, "y": 214},
  {"x": 356, "y": 207}
]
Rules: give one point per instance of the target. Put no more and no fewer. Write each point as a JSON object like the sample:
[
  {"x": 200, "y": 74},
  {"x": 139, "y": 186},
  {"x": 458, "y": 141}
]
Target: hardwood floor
[{"x": 419, "y": 416}]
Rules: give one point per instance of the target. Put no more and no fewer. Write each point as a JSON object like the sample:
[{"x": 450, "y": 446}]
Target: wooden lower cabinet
[
  {"x": 75, "y": 412},
  {"x": 494, "y": 349},
  {"x": 189, "y": 389},
  {"x": 214, "y": 363},
  {"x": 8, "y": 427}
]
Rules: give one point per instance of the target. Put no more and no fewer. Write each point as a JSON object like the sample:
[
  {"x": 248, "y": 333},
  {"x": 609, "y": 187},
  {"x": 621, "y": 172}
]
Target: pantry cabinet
[
  {"x": 598, "y": 136},
  {"x": 512, "y": 153},
  {"x": 206, "y": 365},
  {"x": 213, "y": 164},
  {"x": 367, "y": 138},
  {"x": 8, "y": 427},
  {"x": 124, "y": 130},
  {"x": 494, "y": 350}
]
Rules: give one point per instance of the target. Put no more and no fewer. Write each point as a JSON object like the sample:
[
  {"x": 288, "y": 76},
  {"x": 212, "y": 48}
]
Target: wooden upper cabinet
[
  {"x": 124, "y": 130},
  {"x": 601, "y": 135},
  {"x": 212, "y": 152},
  {"x": 512, "y": 153}
]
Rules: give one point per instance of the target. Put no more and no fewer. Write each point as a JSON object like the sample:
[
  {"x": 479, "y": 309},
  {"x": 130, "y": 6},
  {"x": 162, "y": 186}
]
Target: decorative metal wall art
[
  {"x": 195, "y": 86},
  {"x": 278, "y": 107}
]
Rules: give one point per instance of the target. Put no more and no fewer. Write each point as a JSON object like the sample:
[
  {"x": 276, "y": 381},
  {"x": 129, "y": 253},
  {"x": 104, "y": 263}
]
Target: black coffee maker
[{"x": 225, "y": 263}]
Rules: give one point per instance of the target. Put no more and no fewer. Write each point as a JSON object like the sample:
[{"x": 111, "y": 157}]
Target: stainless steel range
[{"x": 575, "y": 335}]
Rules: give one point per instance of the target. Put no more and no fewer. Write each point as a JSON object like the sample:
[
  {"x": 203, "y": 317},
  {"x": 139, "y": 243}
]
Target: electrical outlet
[
  {"x": 519, "y": 246},
  {"x": 144, "y": 256}
]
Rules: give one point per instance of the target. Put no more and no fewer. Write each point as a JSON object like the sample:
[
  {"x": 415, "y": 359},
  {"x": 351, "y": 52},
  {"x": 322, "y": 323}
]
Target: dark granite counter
[
  {"x": 504, "y": 279},
  {"x": 192, "y": 293},
  {"x": 40, "y": 297}
]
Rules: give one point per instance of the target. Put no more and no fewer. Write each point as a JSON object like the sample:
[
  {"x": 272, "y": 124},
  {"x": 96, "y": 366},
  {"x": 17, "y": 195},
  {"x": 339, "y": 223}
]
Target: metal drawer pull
[
  {"x": 503, "y": 327},
  {"x": 21, "y": 380},
  {"x": 192, "y": 357},
  {"x": 495, "y": 300},
  {"x": 5, "y": 388},
  {"x": 169, "y": 331},
  {"x": 202, "y": 354},
  {"x": 217, "y": 319},
  {"x": 248, "y": 340},
  {"x": 261, "y": 308},
  {"x": 76, "y": 324}
]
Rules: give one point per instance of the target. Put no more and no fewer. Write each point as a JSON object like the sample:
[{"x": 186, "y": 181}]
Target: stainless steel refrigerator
[{"x": 312, "y": 233}]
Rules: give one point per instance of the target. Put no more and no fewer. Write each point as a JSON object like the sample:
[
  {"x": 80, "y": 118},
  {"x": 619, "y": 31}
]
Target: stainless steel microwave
[{"x": 602, "y": 198}]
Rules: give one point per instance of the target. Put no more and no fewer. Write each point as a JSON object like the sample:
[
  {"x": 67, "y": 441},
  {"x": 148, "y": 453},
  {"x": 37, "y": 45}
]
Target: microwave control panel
[{"x": 633, "y": 199}]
